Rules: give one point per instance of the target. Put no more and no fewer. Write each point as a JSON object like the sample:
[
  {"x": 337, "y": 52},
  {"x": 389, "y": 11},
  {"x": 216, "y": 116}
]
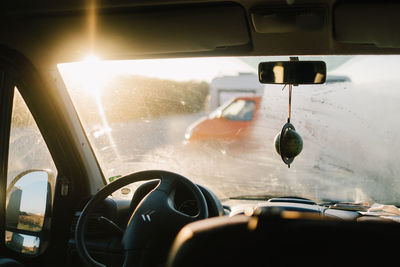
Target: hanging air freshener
[{"x": 288, "y": 143}]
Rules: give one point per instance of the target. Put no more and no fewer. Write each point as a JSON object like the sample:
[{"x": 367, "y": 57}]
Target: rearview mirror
[{"x": 292, "y": 72}]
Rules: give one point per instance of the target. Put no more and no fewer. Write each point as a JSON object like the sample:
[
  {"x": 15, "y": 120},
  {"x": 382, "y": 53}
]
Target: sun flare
[{"x": 93, "y": 73}]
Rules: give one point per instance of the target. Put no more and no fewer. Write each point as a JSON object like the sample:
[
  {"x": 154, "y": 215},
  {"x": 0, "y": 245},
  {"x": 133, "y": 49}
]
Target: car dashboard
[{"x": 106, "y": 225}]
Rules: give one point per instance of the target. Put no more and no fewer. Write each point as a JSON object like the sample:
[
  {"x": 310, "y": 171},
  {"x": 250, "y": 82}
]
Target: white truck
[{"x": 224, "y": 88}]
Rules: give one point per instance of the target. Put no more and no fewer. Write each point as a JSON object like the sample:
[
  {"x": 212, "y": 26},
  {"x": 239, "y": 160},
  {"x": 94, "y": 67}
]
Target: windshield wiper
[
  {"x": 351, "y": 206},
  {"x": 274, "y": 198},
  {"x": 340, "y": 205},
  {"x": 251, "y": 197}
]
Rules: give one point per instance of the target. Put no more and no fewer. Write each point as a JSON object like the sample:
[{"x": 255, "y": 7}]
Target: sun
[
  {"x": 91, "y": 74},
  {"x": 91, "y": 59}
]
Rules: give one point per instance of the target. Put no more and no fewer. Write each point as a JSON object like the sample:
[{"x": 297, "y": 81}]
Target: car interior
[{"x": 172, "y": 218}]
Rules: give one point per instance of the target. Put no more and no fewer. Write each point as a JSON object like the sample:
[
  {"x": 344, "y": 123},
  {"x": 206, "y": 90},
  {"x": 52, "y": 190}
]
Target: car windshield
[{"x": 211, "y": 120}]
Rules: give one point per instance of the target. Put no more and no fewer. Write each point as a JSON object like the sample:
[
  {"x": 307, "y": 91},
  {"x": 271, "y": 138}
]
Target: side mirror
[
  {"x": 28, "y": 205},
  {"x": 216, "y": 114},
  {"x": 292, "y": 72}
]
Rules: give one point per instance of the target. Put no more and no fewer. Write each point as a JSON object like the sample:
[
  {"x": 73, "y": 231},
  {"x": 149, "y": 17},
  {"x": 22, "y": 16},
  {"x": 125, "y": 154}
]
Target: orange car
[{"x": 231, "y": 121}]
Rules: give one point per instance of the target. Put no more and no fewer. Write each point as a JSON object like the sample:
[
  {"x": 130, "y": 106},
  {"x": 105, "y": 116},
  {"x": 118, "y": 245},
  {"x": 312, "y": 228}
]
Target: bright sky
[
  {"x": 34, "y": 192},
  {"x": 94, "y": 72},
  {"x": 371, "y": 69}
]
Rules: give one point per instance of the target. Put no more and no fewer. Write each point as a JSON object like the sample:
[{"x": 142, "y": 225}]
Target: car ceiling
[{"x": 49, "y": 32}]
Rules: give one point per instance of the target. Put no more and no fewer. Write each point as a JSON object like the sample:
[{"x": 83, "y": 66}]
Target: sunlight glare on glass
[
  {"x": 92, "y": 73},
  {"x": 91, "y": 59},
  {"x": 97, "y": 76}
]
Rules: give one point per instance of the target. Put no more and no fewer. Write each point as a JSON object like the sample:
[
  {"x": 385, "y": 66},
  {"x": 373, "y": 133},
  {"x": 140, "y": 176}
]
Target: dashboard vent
[
  {"x": 298, "y": 200},
  {"x": 94, "y": 227}
]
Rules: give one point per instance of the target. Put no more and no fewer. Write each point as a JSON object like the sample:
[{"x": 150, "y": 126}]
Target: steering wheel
[{"x": 154, "y": 223}]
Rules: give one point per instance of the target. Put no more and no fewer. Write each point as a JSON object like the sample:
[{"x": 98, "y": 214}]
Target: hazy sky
[{"x": 34, "y": 192}]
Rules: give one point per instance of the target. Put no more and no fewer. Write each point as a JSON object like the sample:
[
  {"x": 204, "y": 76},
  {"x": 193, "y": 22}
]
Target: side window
[
  {"x": 239, "y": 110},
  {"x": 30, "y": 181}
]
